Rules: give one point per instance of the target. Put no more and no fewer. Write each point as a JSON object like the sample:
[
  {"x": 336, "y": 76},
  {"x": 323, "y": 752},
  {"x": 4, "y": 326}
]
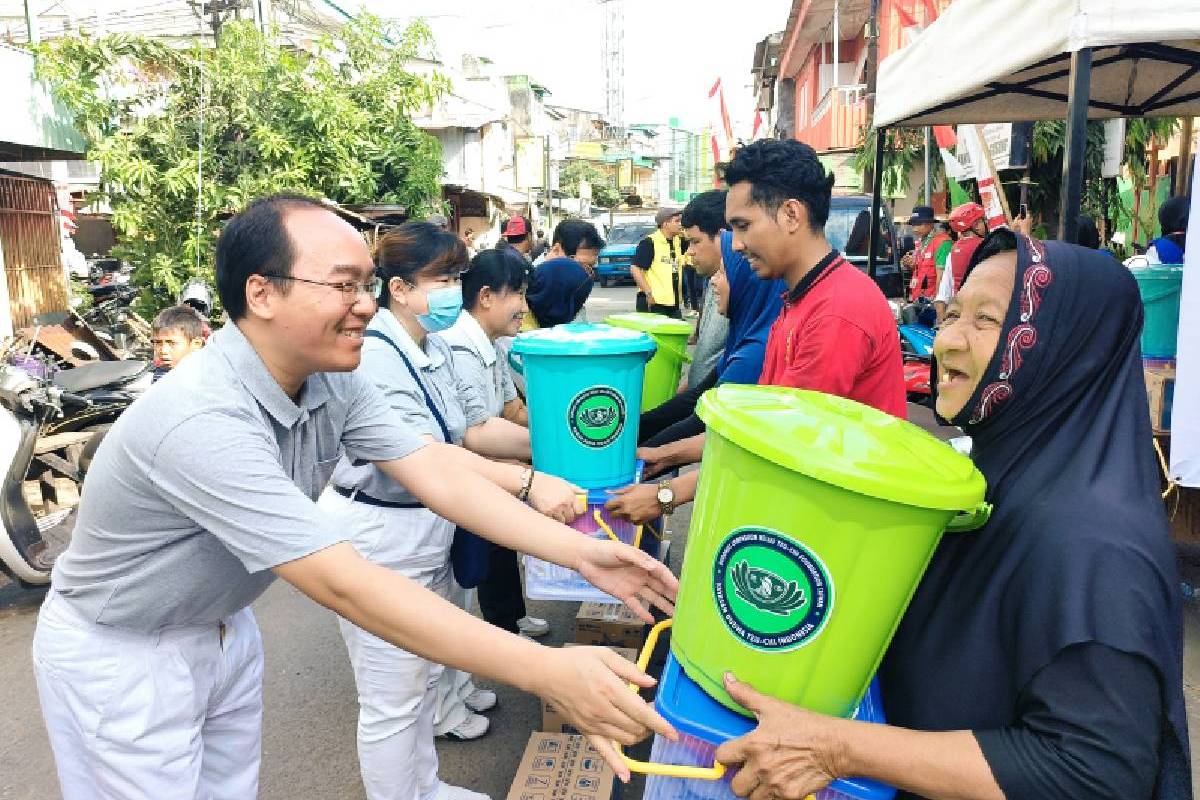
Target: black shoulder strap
[{"x": 433, "y": 409}]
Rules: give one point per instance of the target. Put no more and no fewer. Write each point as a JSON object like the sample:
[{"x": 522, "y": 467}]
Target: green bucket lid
[
  {"x": 582, "y": 339},
  {"x": 844, "y": 443},
  {"x": 650, "y": 323}
]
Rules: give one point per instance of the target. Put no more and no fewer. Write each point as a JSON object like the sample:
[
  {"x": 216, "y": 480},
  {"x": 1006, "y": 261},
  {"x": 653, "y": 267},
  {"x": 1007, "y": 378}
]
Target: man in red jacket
[
  {"x": 928, "y": 260},
  {"x": 836, "y": 333},
  {"x": 968, "y": 222}
]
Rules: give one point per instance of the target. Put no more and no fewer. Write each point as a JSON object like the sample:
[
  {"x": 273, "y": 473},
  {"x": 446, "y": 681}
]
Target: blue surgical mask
[{"x": 444, "y": 307}]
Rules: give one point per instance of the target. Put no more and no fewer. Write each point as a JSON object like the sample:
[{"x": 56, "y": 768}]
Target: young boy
[{"x": 176, "y": 333}]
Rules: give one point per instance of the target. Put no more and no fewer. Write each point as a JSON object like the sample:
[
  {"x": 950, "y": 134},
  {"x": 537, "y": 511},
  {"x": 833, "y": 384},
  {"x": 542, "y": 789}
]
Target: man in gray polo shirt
[{"x": 148, "y": 659}]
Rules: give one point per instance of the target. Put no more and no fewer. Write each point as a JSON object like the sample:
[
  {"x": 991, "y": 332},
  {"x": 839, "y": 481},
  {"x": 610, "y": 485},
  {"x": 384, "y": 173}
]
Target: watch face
[{"x": 665, "y": 494}]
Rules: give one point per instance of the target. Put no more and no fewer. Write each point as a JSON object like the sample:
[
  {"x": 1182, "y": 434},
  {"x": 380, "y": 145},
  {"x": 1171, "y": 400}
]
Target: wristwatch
[
  {"x": 666, "y": 497},
  {"x": 526, "y": 484}
]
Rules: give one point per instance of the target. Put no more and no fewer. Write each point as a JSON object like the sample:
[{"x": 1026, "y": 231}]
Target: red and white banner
[
  {"x": 985, "y": 178},
  {"x": 720, "y": 123}
]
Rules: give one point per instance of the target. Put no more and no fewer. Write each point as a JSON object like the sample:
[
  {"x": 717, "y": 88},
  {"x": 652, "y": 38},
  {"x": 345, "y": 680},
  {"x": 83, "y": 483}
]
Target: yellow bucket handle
[
  {"x": 637, "y": 537},
  {"x": 713, "y": 773}
]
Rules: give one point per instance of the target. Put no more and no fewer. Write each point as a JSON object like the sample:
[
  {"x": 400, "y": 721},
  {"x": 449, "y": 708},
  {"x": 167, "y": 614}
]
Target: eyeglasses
[{"x": 350, "y": 289}]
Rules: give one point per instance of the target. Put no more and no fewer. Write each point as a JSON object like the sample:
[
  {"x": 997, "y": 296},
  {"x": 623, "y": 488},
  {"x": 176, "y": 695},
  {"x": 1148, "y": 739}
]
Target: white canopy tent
[
  {"x": 1019, "y": 60},
  {"x": 1009, "y": 60}
]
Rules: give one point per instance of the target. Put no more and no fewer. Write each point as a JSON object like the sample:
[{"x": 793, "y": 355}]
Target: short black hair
[
  {"x": 781, "y": 170},
  {"x": 256, "y": 242},
  {"x": 496, "y": 270},
  {"x": 572, "y": 234},
  {"x": 706, "y": 211},
  {"x": 184, "y": 319},
  {"x": 417, "y": 249}
]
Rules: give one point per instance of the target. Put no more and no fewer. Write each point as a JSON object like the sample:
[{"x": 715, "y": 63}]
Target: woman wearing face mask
[
  {"x": 1041, "y": 656},
  {"x": 398, "y": 690}
]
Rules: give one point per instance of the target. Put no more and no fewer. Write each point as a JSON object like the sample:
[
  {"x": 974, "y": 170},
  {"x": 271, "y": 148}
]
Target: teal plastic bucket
[
  {"x": 1160, "y": 287},
  {"x": 584, "y": 391}
]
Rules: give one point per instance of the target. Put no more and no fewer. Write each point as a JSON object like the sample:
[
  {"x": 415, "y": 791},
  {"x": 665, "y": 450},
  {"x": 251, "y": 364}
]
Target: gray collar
[{"x": 248, "y": 366}]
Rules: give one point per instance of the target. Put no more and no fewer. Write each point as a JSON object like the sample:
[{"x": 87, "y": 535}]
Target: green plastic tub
[
  {"x": 662, "y": 371},
  {"x": 1160, "y": 287},
  {"x": 814, "y": 520}
]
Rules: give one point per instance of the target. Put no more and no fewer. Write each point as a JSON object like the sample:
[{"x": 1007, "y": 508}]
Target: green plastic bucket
[
  {"x": 662, "y": 371},
  {"x": 1159, "y": 285},
  {"x": 814, "y": 520}
]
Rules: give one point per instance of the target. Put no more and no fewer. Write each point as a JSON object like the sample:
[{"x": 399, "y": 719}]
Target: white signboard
[
  {"x": 1114, "y": 147},
  {"x": 997, "y": 136}
]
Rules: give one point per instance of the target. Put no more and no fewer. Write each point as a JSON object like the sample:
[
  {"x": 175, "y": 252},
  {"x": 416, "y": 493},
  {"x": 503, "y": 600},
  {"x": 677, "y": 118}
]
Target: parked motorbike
[
  {"x": 37, "y": 407},
  {"x": 112, "y": 318}
]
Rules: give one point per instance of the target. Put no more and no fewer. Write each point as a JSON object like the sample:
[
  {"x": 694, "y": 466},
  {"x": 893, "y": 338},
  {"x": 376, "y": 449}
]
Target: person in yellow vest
[{"x": 657, "y": 264}]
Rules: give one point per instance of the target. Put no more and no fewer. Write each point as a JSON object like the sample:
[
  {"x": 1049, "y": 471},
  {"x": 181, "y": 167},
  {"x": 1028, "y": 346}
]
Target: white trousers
[
  {"x": 397, "y": 690},
  {"x": 177, "y": 713},
  {"x": 455, "y": 686}
]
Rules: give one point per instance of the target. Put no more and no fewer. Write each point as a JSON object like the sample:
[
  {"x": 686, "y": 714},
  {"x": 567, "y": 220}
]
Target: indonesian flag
[
  {"x": 909, "y": 23},
  {"x": 987, "y": 180},
  {"x": 721, "y": 121},
  {"x": 946, "y": 140},
  {"x": 758, "y": 124}
]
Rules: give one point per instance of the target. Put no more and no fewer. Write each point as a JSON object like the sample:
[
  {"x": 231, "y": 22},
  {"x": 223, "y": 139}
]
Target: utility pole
[
  {"x": 546, "y": 180},
  {"x": 927, "y": 200},
  {"x": 872, "y": 70},
  {"x": 31, "y": 24},
  {"x": 614, "y": 64}
]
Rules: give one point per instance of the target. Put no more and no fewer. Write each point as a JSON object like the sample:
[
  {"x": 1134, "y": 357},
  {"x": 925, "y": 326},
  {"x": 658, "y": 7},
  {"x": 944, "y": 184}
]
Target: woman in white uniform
[
  {"x": 493, "y": 307},
  {"x": 397, "y": 690}
]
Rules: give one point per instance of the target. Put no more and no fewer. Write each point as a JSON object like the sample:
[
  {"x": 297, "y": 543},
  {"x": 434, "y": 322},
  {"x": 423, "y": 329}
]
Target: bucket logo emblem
[
  {"x": 596, "y": 416},
  {"x": 765, "y": 590},
  {"x": 771, "y": 592}
]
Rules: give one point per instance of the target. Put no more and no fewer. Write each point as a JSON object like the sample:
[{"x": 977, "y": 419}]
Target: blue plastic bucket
[
  {"x": 1160, "y": 287},
  {"x": 704, "y": 724},
  {"x": 584, "y": 390}
]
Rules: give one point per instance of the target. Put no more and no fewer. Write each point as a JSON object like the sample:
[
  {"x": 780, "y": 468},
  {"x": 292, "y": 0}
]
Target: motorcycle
[
  {"x": 113, "y": 320},
  {"x": 917, "y": 380},
  {"x": 39, "y": 411}
]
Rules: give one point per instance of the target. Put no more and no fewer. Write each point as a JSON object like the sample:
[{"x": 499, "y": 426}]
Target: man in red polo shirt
[{"x": 836, "y": 333}]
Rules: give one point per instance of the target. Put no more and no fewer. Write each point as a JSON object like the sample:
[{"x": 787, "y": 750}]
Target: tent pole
[
  {"x": 1073, "y": 159},
  {"x": 876, "y": 201},
  {"x": 928, "y": 201}
]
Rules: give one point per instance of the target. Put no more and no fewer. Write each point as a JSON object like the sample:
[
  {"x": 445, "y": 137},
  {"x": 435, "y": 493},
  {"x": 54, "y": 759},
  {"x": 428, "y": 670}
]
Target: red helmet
[{"x": 964, "y": 217}]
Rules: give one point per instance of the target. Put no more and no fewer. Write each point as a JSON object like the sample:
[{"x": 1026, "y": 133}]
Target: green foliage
[
  {"x": 185, "y": 135},
  {"x": 604, "y": 186},
  {"x": 904, "y": 150},
  {"x": 1100, "y": 198}
]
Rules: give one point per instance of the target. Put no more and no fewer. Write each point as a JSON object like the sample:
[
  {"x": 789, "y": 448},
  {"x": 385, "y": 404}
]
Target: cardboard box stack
[
  {"x": 560, "y": 766},
  {"x": 609, "y": 625},
  {"x": 1160, "y": 390}
]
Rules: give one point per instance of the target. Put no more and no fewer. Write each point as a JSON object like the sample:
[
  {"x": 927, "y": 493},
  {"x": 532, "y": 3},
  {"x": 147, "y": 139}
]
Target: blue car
[{"x": 617, "y": 255}]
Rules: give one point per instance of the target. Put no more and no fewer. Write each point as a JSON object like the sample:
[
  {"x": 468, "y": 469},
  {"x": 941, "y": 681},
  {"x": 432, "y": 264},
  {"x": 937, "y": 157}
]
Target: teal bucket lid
[
  {"x": 650, "y": 323},
  {"x": 583, "y": 339},
  {"x": 844, "y": 443}
]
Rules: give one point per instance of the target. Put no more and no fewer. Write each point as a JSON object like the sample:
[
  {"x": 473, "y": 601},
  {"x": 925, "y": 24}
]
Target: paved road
[
  {"x": 308, "y": 726},
  {"x": 311, "y": 707}
]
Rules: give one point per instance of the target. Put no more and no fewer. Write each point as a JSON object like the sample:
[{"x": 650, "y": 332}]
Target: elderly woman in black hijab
[{"x": 1041, "y": 655}]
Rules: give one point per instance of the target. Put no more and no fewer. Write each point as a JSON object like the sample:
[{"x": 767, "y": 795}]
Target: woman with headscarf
[
  {"x": 557, "y": 293},
  {"x": 1041, "y": 656},
  {"x": 1172, "y": 222}
]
